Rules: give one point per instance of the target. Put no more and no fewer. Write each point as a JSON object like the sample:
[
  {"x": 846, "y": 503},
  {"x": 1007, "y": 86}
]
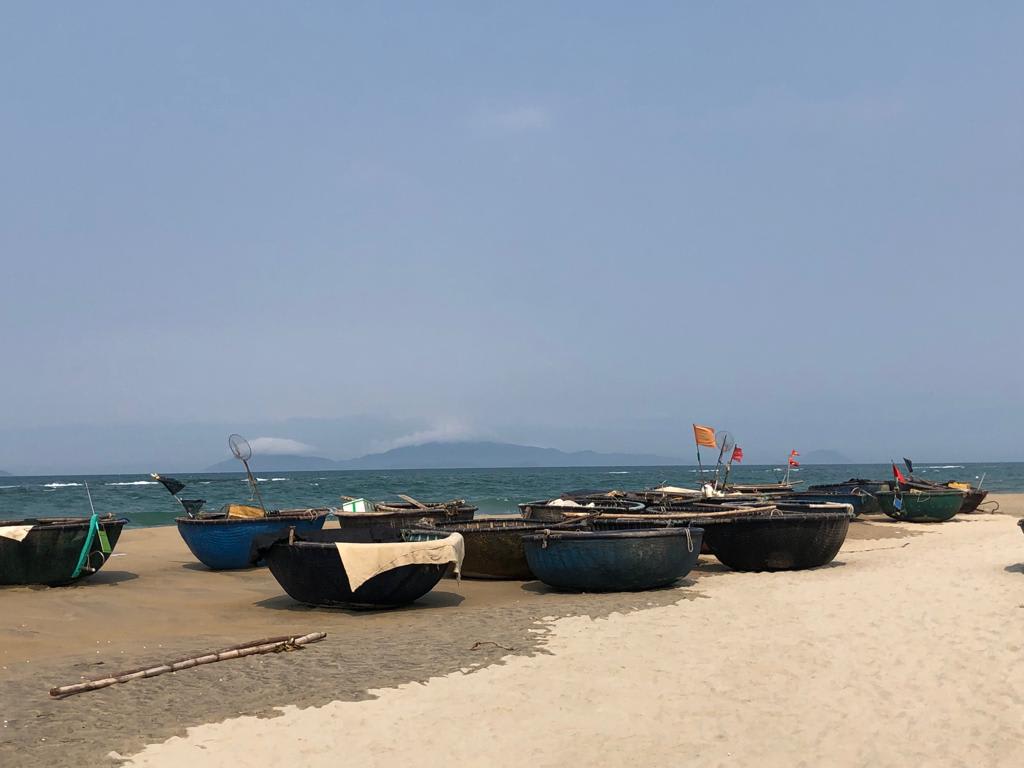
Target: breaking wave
[
  {"x": 62, "y": 485},
  {"x": 136, "y": 482}
]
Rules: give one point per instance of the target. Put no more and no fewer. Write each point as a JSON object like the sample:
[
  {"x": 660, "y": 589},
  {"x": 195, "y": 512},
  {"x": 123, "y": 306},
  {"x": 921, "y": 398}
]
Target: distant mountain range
[
  {"x": 460, "y": 455},
  {"x": 4, "y": 474}
]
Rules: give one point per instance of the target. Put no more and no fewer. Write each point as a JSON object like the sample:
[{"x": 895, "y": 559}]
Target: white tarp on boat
[
  {"x": 15, "y": 532},
  {"x": 364, "y": 561}
]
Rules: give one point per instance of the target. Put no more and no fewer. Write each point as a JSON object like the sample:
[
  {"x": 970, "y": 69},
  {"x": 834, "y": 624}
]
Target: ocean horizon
[{"x": 495, "y": 491}]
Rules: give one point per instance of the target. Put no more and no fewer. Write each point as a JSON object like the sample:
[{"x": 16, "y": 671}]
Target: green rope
[{"x": 84, "y": 557}]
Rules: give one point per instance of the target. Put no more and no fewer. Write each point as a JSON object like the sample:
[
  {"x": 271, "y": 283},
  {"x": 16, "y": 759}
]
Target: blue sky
[{"x": 582, "y": 225}]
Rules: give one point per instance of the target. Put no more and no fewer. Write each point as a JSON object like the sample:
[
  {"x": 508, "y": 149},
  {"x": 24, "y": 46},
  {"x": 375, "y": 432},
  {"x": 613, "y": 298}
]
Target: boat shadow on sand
[
  {"x": 104, "y": 578},
  {"x": 686, "y": 585},
  {"x": 193, "y": 566},
  {"x": 715, "y": 569},
  {"x": 432, "y": 600}
]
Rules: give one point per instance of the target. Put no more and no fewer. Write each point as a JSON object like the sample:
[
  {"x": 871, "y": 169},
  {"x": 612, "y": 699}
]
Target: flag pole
[{"x": 721, "y": 452}]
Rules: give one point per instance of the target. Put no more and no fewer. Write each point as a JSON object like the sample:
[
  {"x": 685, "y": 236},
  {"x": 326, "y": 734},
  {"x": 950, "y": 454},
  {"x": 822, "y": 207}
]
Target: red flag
[
  {"x": 897, "y": 474},
  {"x": 737, "y": 455},
  {"x": 792, "y": 459}
]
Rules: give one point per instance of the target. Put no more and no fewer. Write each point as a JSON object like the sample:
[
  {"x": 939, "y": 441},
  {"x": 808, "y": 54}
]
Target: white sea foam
[
  {"x": 618, "y": 472},
  {"x": 277, "y": 479},
  {"x": 62, "y": 485},
  {"x": 137, "y": 482},
  {"x": 948, "y": 466},
  {"x": 9, "y": 486}
]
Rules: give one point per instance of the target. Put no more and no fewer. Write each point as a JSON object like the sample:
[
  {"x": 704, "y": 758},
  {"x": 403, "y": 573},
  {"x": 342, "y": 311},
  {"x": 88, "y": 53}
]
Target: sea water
[{"x": 495, "y": 491}]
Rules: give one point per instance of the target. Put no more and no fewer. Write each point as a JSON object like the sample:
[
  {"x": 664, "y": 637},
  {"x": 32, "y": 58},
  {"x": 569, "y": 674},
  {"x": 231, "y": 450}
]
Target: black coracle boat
[
  {"x": 56, "y": 551},
  {"x": 557, "y": 510},
  {"x": 772, "y": 539},
  {"x": 359, "y": 513},
  {"x": 360, "y": 567}
]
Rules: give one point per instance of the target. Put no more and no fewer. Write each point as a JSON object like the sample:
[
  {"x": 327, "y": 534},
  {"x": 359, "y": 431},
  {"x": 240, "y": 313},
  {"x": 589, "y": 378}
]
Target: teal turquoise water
[{"x": 496, "y": 491}]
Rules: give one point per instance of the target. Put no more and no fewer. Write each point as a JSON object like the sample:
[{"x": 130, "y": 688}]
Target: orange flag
[{"x": 704, "y": 436}]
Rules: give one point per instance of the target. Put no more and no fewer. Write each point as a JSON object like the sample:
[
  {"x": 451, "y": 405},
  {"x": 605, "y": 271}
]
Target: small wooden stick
[
  {"x": 269, "y": 645},
  {"x": 264, "y": 641}
]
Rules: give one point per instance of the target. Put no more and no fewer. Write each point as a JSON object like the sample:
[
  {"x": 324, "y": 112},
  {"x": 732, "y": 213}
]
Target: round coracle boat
[
  {"x": 55, "y": 551},
  {"x": 225, "y": 543},
  {"x": 407, "y": 515},
  {"x": 772, "y": 539},
  {"x": 494, "y": 547},
  {"x": 558, "y": 510},
  {"x": 368, "y": 567},
  {"x": 612, "y": 561},
  {"x": 915, "y": 505}
]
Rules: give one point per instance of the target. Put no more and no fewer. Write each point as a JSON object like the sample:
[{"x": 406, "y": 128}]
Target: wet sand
[{"x": 910, "y": 627}]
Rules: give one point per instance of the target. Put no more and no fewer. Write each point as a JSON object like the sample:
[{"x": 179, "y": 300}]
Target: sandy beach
[{"x": 906, "y": 648}]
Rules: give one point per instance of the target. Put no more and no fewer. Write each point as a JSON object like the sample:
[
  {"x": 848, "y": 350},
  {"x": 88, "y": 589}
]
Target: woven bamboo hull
[
  {"x": 777, "y": 543},
  {"x": 224, "y": 543},
  {"x": 494, "y": 548},
  {"x": 859, "y": 502},
  {"x": 612, "y": 561},
  {"x": 868, "y": 488},
  {"x": 49, "y": 553},
  {"x": 971, "y": 501}
]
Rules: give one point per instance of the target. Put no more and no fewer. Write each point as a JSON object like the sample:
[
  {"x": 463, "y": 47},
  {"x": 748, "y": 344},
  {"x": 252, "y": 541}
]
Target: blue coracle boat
[
  {"x": 224, "y": 543},
  {"x": 612, "y": 561}
]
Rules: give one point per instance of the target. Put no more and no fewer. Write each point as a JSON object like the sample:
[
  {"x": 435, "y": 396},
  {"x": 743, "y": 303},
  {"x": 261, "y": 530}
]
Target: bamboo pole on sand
[{"x": 267, "y": 645}]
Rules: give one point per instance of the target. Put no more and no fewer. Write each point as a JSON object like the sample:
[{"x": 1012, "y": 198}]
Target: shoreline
[{"x": 156, "y": 603}]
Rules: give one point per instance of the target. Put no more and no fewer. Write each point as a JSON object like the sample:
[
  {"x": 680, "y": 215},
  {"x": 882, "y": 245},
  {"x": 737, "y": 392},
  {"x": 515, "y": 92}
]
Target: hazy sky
[{"x": 582, "y": 225}]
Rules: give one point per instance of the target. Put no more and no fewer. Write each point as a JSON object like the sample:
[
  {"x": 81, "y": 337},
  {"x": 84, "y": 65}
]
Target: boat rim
[
  {"x": 685, "y": 520},
  {"x": 64, "y": 522},
  {"x": 644, "y": 533},
  {"x": 306, "y": 544},
  {"x": 301, "y": 514}
]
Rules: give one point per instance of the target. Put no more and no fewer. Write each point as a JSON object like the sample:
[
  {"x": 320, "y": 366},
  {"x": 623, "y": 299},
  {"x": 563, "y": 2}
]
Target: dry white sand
[{"x": 907, "y": 651}]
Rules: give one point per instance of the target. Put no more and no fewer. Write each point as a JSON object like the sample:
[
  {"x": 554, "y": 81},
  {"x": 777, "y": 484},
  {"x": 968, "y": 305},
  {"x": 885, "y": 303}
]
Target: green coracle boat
[{"x": 914, "y": 505}]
